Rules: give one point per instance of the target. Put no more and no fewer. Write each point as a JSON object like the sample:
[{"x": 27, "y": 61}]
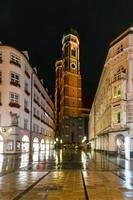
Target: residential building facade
[
  {"x": 26, "y": 109},
  {"x": 111, "y": 115},
  {"x": 68, "y": 92}
]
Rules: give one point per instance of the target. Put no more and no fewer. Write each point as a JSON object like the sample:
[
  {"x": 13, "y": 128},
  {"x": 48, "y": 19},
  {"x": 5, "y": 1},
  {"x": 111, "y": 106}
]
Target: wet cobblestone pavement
[{"x": 66, "y": 175}]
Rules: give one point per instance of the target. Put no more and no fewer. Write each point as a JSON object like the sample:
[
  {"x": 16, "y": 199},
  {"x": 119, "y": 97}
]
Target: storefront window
[
  {"x": 18, "y": 145},
  {"x": 10, "y": 145}
]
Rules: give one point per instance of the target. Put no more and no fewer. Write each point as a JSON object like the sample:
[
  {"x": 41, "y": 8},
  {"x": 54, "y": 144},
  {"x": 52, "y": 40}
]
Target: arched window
[
  {"x": 73, "y": 52},
  {"x": 66, "y": 50}
]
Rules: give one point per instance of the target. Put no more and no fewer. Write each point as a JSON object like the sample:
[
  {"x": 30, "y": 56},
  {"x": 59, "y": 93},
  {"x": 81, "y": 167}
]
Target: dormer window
[{"x": 120, "y": 49}]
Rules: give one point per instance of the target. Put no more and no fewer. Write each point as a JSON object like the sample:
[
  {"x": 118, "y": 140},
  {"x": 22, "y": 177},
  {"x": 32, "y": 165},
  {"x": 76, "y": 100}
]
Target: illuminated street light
[
  {"x": 57, "y": 139},
  {"x": 61, "y": 141},
  {"x": 84, "y": 139}
]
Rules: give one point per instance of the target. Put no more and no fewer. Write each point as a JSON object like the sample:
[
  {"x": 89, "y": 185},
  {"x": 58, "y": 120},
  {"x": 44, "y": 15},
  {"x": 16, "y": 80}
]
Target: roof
[{"x": 70, "y": 31}]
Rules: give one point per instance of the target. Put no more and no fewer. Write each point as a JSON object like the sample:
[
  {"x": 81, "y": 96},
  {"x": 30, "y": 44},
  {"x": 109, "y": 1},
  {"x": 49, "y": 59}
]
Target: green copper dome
[{"x": 70, "y": 31}]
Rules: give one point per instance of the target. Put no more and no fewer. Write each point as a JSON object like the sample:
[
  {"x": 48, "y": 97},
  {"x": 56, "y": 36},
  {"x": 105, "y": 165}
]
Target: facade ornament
[{"x": 14, "y": 119}]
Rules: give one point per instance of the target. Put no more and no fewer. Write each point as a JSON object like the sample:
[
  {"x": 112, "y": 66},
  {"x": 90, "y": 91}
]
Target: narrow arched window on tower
[
  {"x": 73, "y": 52},
  {"x": 66, "y": 50}
]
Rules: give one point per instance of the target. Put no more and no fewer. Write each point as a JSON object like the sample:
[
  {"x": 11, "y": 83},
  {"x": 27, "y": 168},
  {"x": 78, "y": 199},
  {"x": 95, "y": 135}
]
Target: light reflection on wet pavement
[{"x": 104, "y": 175}]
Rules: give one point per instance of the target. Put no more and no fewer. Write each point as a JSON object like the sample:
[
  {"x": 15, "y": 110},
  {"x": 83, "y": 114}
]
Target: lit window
[
  {"x": 14, "y": 78},
  {"x": 117, "y": 117},
  {"x": 14, "y": 98},
  {"x": 117, "y": 91}
]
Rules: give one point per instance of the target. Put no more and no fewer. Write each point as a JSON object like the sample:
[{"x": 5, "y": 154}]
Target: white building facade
[
  {"x": 26, "y": 109},
  {"x": 111, "y": 115}
]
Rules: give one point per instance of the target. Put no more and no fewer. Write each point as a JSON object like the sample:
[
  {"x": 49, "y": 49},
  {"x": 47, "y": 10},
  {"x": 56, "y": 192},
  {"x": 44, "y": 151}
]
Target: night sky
[{"x": 38, "y": 26}]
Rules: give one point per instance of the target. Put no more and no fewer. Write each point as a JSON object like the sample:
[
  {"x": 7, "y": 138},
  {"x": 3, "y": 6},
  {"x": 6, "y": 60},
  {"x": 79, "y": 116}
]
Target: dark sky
[{"x": 38, "y": 26}]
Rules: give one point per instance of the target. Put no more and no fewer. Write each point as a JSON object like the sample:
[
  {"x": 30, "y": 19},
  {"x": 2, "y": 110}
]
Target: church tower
[{"x": 68, "y": 91}]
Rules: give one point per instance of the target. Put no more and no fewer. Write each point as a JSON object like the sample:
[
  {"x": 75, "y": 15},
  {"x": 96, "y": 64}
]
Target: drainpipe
[{"x": 30, "y": 149}]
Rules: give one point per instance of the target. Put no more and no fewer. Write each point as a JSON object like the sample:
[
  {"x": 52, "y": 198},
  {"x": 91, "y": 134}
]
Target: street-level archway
[
  {"x": 120, "y": 144},
  {"x": 35, "y": 144},
  {"x": 1, "y": 144},
  {"x": 47, "y": 145},
  {"x": 25, "y": 143},
  {"x": 42, "y": 145}
]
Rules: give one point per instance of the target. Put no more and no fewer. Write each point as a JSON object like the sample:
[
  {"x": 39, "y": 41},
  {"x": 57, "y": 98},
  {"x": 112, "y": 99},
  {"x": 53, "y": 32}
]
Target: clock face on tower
[{"x": 73, "y": 66}]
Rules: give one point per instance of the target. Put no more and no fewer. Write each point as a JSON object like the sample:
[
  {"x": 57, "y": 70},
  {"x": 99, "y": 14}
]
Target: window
[
  {"x": 14, "y": 59},
  {"x": 25, "y": 103},
  {"x": 117, "y": 116},
  {"x": 26, "y": 88},
  {"x": 14, "y": 98},
  {"x": 34, "y": 111},
  {"x": 120, "y": 49},
  {"x": 73, "y": 52},
  {"x": 0, "y": 56},
  {"x": 26, "y": 72},
  {"x": 34, "y": 127},
  {"x": 14, "y": 78},
  {"x": 26, "y": 124},
  {"x": 66, "y": 50},
  {"x": 37, "y": 112},
  {"x": 0, "y": 77},
  {"x": 35, "y": 95},
  {"x": 0, "y": 99},
  {"x": 117, "y": 91},
  {"x": 37, "y": 129}
]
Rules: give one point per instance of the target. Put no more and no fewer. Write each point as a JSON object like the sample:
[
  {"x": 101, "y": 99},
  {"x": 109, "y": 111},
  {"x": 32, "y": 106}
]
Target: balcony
[
  {"x": 15, "y": 83},
  {"x": 37, "y": 102},
  {"x": 13, "y": 104},
  {"x": 27, "y": 74},
  {"x": 15, "y": 63},
  {"x": 27, "y": 92},
  {"x": 37, "y": 117},
  {"x": 26, "y": 110}
]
